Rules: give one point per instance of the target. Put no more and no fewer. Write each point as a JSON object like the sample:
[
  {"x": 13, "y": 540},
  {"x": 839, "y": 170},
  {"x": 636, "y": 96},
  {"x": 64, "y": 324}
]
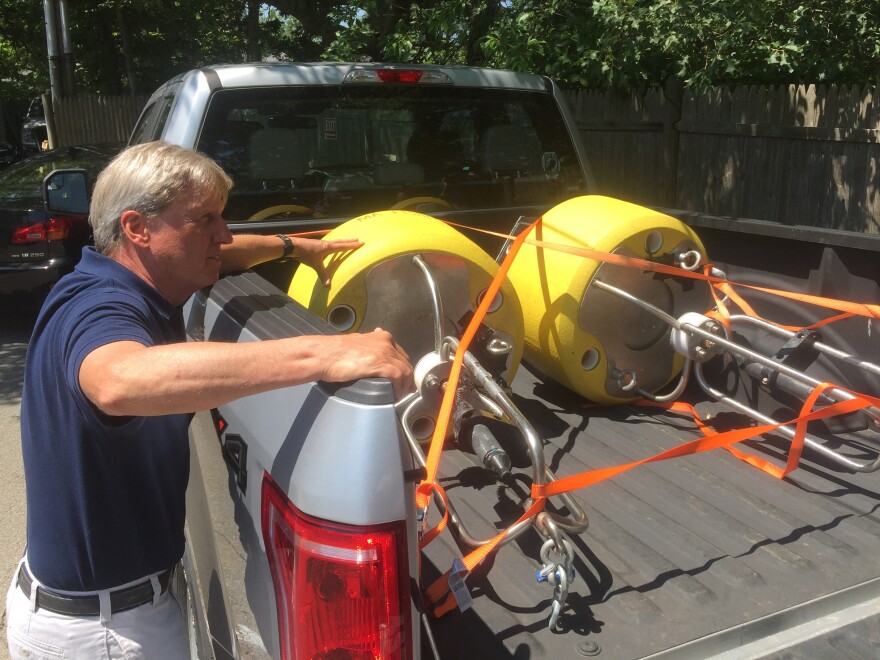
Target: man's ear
[{"x": 136, "y": 228}]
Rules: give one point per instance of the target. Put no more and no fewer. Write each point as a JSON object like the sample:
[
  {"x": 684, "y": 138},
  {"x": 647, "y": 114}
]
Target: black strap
[{"x": 288, "y": 246}]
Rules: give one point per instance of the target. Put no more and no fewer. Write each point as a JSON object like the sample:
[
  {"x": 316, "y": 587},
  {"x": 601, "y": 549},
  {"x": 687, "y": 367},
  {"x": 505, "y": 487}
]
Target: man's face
[{"x": 185, "y": 243}]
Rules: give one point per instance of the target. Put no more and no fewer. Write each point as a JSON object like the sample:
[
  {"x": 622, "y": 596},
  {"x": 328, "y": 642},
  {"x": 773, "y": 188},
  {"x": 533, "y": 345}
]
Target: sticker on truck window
[{"x": 329, "y": 128}]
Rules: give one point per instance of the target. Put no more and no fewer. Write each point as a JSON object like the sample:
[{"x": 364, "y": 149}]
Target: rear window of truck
[{"x": 341, "y": 152}]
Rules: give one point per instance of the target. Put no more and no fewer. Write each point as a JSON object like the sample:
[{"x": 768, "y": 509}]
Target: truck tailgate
[{"x": 693, "y": 556}]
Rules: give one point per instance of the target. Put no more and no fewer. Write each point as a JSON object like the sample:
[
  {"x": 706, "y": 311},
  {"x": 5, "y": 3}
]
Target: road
[{"x": 16, "y": 322}]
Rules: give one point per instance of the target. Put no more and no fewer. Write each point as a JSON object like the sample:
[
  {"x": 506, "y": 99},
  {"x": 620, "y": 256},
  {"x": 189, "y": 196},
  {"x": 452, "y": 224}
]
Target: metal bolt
[
  {"x": 588, "y": 648},
  {"x": 498, "y": 346}
]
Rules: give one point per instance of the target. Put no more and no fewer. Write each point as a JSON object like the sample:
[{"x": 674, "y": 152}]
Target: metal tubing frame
[
  {"x": 541, "y": 473},
  {"x": 679, "y": 389},
  {"x": 832, "y": 394},
  {"x": 810, "y": 441},
  {"x": 435, "y": 299},
  {"x": 819, "y": 346},
  {"x": 496, "y": 399}
]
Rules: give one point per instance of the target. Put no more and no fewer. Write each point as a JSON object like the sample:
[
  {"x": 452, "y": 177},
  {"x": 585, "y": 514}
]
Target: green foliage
[
  {"x": 626, "y": 43},
  {"x": 119, "y": 45},
  {"x": 134, "y": 45},
  {"x": 24, "y": 66}
]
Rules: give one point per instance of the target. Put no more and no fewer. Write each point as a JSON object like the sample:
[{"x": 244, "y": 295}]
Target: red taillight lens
[
  {"x": 29, "y": 234},
  {"x": 340, "y": 589},
  {"x": 54, "y": 229},
  {"x": 399, "y": 76}
]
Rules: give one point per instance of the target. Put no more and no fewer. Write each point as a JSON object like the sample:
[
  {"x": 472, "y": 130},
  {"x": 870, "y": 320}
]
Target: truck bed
[
  {"x": 691, "y": 557},
  {"x": 699, "y": 556}
]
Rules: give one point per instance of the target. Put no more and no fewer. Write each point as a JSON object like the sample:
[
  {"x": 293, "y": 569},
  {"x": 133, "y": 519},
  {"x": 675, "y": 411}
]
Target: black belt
[{"x": 120, "y": 600}]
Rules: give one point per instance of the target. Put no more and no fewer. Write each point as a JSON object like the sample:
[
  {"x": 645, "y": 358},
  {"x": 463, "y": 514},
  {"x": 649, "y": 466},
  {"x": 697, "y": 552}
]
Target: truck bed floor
[{"x": 692, "y": 557}]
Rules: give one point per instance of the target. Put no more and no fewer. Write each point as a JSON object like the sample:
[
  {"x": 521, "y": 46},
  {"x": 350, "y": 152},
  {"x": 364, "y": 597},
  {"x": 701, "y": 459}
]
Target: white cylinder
[
  {"x": 424, "y": 366},
  {"x": 684, "y": 342}
]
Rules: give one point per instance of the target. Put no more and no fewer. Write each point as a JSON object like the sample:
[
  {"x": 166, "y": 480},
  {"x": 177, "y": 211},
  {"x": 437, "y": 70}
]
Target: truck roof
[{"x": 271, "y": 74}]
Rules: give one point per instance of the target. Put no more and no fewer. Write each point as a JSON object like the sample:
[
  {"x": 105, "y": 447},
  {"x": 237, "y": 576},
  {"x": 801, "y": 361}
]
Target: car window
[
  {"x": 148, "y": 113},
  {"x": 35, "y": 109},
  {"x": 152, "y": 120},
  {"x": 164, "y": 111},
  {"x": 21, "y": 183},
  {"x": 341, "y": 151}
]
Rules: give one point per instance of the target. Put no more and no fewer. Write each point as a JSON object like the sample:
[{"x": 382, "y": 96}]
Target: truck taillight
[
  {"x": 398, "y": 76},
  {"x": 341, "y": 590}
]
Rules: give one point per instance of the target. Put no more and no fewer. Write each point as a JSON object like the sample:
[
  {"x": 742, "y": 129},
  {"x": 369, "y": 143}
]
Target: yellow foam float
[
  {"x": 380, "y": 284},
  {"x": 588, "y": 339}
]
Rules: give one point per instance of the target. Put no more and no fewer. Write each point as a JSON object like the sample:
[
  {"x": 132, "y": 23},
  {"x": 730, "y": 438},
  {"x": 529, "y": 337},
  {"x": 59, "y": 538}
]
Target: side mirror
[{"x": 67, "y": 191}]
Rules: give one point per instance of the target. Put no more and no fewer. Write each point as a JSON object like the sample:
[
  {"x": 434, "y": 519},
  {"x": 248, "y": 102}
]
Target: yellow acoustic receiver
[
  {"x": 382, "y": 285},
  {"x": 592, "y": 341}
]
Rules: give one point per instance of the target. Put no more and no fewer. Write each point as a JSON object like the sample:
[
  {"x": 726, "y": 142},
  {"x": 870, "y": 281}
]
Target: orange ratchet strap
[
  {"x": 440, "y": 598},
  {"x": 432, "y": 462},
  {"x": 723, "y": 315},
  {"x": 869, "y": 310},
  {"x": 713, "y": 440},
  {"x": 441, "y": 587}
]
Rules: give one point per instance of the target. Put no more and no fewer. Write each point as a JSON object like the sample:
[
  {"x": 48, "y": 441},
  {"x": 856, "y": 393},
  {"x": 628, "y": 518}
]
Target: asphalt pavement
[{"x": 16, "y": 321}]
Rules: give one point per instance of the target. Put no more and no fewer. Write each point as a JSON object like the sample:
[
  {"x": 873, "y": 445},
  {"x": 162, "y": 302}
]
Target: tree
[
  {"x": 626, "y": 43},
  {"x": 134, "y": 45},
  {"x": 24, "y": 66}
]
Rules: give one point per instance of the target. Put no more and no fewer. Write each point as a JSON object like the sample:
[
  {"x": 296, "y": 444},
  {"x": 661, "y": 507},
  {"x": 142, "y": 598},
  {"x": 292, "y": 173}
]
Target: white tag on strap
[{"x": 457, "y": 585}]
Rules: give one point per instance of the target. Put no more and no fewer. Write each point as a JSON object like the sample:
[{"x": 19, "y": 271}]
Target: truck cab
[{"x": 309, "y": 146}]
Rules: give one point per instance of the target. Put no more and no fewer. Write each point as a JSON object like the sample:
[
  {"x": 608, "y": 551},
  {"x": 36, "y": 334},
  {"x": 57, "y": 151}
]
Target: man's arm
[
  {"x": 127, "y": 378},
  {"x": 248, "y": 250}
]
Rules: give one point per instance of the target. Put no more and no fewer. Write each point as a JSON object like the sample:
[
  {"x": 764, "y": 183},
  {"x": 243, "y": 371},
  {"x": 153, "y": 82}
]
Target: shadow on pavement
[{"x": 17, "y": 316}]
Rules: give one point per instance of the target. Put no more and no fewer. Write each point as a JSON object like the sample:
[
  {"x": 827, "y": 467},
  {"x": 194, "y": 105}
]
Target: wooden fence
[
  {"x": 88, "y": 118},
  {"x": 796, "y": 155}
]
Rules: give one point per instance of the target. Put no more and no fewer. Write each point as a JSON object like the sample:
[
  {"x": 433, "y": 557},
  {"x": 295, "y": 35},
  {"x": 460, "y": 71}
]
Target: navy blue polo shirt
[{"x": 105, "y": 495}]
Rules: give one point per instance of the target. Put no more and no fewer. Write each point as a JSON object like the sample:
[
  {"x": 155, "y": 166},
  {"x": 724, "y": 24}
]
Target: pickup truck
[{"x": 303, "y": 529}]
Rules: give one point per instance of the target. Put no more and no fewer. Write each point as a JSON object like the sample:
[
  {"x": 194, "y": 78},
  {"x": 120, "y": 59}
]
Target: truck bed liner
[{"x": 677, "y": 552}]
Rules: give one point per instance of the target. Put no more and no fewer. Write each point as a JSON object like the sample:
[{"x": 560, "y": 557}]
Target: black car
[
  {"x": 33, "y": 127},
  {"x": 38, "y": 247}
]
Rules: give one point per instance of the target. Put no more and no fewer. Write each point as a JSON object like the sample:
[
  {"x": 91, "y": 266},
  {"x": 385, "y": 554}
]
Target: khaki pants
[{"x": 154, "y": 631}]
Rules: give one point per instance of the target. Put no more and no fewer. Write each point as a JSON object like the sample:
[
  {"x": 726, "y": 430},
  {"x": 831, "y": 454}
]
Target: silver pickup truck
[{"x": 303, "y": 529}]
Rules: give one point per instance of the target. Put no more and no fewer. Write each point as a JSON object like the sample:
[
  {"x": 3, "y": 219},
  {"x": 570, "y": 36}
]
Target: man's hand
[
  {"x": 373, "y": 354},
  {"x": 312, "y": 252}
]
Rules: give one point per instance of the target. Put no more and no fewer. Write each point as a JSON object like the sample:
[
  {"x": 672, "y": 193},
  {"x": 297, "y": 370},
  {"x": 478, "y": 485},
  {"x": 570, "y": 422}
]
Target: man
[{"x": 110, "y": 388}]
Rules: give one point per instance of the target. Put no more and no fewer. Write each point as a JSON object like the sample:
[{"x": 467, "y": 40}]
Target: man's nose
[{"x": 224, "y": 236}]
